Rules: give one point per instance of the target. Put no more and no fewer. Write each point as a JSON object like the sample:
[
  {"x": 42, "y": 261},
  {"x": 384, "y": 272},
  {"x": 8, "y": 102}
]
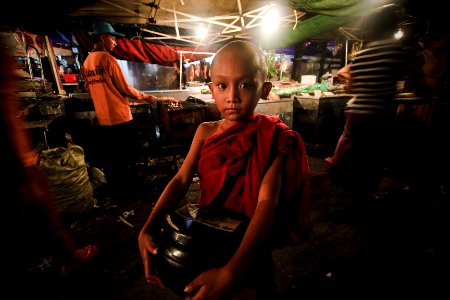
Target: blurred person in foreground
[
  {"x": 249, "y": 163},
  {"x": 111, "y": 94},
  {"x": 362, "y": 151},
  {"x": 31, "y": 224},
  {"x": 426, "y": 121},
  {"x": 433, "y": 79}
]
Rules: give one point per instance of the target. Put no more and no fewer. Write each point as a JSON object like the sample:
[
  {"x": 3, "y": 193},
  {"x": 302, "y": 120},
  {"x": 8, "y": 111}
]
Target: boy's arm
[
  {"x": 216, "y": 283},
  {"x": 180, "y": 183},
  {"x": 175, "y": 190},
  {"x": 260, "y": 226}
]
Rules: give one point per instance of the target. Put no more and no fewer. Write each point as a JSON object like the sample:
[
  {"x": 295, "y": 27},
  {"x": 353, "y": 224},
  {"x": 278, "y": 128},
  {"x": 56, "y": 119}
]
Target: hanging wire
[
  {"x": 296, "y": 21},
  {"x": 151, "y": 18}
]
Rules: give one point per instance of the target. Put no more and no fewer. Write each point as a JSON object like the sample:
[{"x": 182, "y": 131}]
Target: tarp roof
[{"x": 175, "y": 21}]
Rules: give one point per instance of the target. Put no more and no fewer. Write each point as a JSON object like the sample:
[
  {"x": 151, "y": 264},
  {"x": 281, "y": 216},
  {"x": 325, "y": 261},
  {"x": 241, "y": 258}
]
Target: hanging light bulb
[
  {"x": 201, "y": 32},
  {"x": 270, "y": 21},
  {"x": 398, "y": 34}
]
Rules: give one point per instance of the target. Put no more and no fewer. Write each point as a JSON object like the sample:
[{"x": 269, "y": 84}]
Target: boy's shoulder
[
  {"x": 208, "y": 128},
  {"x": 210, "y": 124}
]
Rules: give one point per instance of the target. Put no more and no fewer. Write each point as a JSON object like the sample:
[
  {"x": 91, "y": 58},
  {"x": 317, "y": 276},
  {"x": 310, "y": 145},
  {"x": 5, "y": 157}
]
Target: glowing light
[
  {"x": 201, "y": 32},
  {"x": 270, "y": 21},
  {"x": 399, "y": 34}
]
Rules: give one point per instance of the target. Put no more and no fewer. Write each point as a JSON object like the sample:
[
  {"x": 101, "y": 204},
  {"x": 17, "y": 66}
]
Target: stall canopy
[{"x": 156, "y": 29}]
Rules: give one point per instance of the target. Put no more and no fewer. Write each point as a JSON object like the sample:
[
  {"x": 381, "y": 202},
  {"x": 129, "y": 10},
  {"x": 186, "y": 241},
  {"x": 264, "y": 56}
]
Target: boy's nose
[{"x": 233, "y": 95}]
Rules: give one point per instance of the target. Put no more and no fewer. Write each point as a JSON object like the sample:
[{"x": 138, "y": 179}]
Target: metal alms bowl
[{"x": 187, "y": 246}]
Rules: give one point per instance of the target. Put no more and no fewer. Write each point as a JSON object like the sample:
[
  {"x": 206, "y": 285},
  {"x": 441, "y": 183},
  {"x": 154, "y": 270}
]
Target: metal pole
[
  {"x": 181, "y": 69},
  {"x": 54, "y": 66},
  {"x": 346, "y": 51}
]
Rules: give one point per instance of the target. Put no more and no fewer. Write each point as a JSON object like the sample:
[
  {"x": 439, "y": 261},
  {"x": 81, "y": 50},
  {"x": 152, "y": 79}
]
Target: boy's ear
[
  {"x": 266, "y": 88},
  {"x": 210, "y": 86}
]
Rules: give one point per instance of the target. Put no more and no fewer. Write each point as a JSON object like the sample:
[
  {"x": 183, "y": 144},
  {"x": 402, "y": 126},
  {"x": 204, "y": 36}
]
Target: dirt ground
[{"x": 399, "y": 244}]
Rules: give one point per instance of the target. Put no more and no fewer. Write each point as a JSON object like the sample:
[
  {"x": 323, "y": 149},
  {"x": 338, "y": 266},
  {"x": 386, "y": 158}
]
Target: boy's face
[{"x": 235, "y": 86}]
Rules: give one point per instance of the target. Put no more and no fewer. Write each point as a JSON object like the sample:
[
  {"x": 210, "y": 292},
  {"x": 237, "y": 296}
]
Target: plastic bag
[{"x": 68, "y": 179}]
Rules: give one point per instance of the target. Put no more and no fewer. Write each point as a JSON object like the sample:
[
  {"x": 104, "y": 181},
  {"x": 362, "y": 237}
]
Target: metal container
[
  {"x": 321, "y": 120},
  {"x": 189, "y": 245}
]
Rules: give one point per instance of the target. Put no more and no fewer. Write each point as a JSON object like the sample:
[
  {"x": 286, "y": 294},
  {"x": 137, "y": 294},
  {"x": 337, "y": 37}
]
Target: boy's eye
[
  {"x": 243, "y": 85},
  {"x": 221, "y": 86}
]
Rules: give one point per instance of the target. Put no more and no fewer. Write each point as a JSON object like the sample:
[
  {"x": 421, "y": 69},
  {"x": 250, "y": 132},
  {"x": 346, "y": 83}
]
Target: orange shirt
[{"x": 109, "y": 88}]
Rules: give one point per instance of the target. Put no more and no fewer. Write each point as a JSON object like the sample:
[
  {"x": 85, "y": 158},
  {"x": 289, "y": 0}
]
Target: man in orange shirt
[{"x": 110, "y": 91}]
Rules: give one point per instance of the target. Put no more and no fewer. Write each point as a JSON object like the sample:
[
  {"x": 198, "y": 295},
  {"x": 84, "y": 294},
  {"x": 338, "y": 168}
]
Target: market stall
[
  {"x": 282, "y": 108},
  {"x": 320, "y": 120}
]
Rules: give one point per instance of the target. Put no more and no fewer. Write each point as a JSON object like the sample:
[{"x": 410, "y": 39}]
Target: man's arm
[{"x": 125, "y": 87}]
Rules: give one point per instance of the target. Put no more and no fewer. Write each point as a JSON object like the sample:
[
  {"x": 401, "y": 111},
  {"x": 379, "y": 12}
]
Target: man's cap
[{"x": 105, "y": 27}]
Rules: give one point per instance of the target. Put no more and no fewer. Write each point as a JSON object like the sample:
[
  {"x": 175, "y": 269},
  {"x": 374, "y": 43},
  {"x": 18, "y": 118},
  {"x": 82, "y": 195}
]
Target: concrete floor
[{"x": 398, "y": 243}]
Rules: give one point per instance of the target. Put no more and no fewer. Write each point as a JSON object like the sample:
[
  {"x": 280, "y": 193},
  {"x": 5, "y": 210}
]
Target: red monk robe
[{"x": 232, "y": 165}]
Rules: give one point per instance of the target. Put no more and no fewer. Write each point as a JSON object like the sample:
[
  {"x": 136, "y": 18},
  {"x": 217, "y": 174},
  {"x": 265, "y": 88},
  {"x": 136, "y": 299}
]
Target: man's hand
[{"x": 150, "y": 99}]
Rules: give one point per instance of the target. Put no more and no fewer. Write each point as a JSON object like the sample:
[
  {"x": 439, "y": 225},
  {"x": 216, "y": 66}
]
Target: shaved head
[{"x": 255, "y": 57}]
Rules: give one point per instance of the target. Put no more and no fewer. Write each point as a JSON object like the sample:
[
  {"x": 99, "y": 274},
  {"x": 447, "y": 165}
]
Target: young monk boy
[{"x": 254, "y": 165}]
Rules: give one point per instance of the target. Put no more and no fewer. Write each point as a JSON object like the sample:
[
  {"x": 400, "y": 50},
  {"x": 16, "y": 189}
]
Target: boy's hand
[
  {"x": 211, "y": 284},
  {"x": 147, "y": 248}
]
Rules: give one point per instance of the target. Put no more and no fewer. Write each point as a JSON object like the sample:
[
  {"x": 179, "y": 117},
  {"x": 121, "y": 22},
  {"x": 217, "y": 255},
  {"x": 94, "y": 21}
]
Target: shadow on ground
[{"x": 395, "y": 244}]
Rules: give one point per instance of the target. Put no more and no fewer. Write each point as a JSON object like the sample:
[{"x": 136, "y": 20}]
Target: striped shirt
[{"x": 375, "y": 72}]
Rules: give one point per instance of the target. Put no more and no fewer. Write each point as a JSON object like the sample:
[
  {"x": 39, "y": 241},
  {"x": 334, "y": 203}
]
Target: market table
[
  {"x": 320, "y": 120},
  {"x": 282, "y": 108}
]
